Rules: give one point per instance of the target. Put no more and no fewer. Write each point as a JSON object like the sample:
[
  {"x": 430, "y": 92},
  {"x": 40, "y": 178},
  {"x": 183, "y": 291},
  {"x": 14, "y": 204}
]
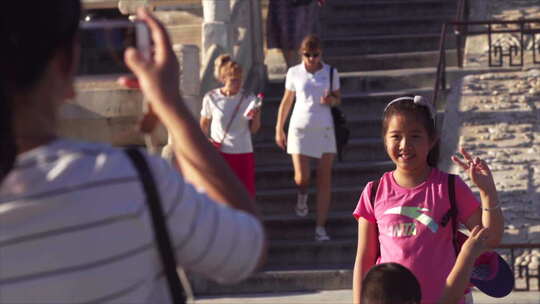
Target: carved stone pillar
[{"x": 216, "y": 26}]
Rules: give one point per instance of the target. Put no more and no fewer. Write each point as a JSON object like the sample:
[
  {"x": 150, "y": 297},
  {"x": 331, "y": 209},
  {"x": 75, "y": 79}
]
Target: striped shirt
[{"x": 74, "y": 228}]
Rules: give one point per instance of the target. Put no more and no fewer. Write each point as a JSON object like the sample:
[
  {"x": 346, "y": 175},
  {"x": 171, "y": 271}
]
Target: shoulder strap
[
  {"x": 372, "y": 195},
  {"x": 232, "y": 117},
  {"x": 453, "y": 210},
  {"x": 161, "y": 234},
  {"x": 331, "y": 79}
]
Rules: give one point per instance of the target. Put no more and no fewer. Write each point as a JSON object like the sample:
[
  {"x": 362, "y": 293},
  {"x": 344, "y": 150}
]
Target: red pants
[{"x": 243, "y": 165}]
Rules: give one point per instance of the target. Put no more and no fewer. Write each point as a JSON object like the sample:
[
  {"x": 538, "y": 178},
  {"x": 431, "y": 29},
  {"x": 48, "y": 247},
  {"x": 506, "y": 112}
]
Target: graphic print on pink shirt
[{"x": 409, "y": 230}]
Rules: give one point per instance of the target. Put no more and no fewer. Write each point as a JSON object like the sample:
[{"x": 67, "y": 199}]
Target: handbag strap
[
  {"x": 161, "y": 233},
  {"x": 453, "y": 211},
  {"x": 232, "y": 118},
  {"x": 331, "y": 79}
]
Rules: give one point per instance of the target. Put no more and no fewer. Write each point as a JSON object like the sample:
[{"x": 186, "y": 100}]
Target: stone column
[
  {"x": 189, "y": 86},
  {"x": 259, "y": 70},
  {"x": 216, "y": 26},
  {"x": 190, "y": 83},
  {"x": 129, "y": 7}
]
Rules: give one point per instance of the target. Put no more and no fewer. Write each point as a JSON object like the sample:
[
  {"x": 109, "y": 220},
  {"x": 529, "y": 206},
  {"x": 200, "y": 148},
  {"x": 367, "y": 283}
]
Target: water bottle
[{"x": 253, "y": 105}]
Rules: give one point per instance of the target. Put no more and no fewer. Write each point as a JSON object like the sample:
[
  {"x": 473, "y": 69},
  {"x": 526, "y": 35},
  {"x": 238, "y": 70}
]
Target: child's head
[
  {"x": 227, "y": 71},
  {"x": 417, "y": 115},
  {"x": 32, "y": 38},
  {"x": 390, "y": 283}
]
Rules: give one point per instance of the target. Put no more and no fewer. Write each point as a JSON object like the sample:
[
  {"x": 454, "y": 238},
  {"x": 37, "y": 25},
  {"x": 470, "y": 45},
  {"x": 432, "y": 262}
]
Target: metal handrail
[
  {"x": 523, "y": 27},
  {"x": 440, "y": 81},
  {"x": 523, "y": 270}
]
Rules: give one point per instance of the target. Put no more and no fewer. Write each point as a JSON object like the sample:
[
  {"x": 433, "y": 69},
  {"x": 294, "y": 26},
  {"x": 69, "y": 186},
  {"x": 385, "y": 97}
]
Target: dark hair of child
[
  {"x": 31, "y": 36},
  {"x": 419, "y": 113},
  {"x": 390, "y": 283}
]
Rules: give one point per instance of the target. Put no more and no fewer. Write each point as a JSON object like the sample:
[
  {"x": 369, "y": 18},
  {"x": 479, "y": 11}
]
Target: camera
[{"x": 104, "y": 42}]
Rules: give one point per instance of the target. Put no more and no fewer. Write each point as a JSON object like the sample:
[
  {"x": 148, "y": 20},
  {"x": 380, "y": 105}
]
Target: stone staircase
[{"x": 383, "y": 49}]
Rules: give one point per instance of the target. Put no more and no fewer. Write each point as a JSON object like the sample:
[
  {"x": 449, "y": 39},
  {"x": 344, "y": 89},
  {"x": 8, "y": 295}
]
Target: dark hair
[
  {"x": 421, "y": 114},
  {"x": 31, "y": 34},
  {"x": 390, "y": 283},
  {"x": 310, "y": 43}
]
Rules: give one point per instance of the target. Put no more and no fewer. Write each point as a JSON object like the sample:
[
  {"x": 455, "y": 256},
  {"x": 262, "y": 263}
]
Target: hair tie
[{"x": 417, "y": 99}]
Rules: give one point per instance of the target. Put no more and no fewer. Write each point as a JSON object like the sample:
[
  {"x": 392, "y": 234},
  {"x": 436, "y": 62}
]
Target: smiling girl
[{"x": 404, "y": 222}]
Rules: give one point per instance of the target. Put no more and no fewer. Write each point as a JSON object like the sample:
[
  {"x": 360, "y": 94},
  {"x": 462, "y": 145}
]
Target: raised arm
[
  {"x": 459, "y": 277},
  {"x": 366, "y": 255},
  {"x": 489, "y": 215}
]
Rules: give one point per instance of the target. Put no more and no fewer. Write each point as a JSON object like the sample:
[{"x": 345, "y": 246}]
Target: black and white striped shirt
[{"x": 74, "y": 228}]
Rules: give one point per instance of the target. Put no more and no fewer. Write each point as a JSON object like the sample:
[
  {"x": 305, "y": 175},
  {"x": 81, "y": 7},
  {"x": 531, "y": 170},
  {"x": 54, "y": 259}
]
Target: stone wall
[{"x": 496, "y": 116}]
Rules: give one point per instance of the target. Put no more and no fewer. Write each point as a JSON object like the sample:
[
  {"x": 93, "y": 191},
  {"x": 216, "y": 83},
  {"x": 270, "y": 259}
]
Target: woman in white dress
[
  {"x": 311, "y": 130},
  {"x": 223, "y": 120}
]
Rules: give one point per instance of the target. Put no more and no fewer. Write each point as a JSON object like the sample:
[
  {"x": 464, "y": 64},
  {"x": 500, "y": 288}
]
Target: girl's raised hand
[
  {"x": 476, "y": 244},
  {"x": 477, "y": 169}
]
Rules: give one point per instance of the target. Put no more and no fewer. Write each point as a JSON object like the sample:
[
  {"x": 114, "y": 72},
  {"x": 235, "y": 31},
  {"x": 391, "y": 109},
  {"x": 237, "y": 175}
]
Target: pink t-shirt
[{"x": 409, "y": 230}]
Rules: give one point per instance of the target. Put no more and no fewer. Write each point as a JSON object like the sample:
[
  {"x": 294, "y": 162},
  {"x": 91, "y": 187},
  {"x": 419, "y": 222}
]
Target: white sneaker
[
  {"x": 301, "y": 208},
  {"x": 321, "y": 235}
]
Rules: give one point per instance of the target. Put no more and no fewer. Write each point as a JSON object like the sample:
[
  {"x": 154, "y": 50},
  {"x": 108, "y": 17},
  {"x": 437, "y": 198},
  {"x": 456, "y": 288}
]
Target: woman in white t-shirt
[
  {"x": 311, "y": 129},
  {"x": 223, "y": 120}
]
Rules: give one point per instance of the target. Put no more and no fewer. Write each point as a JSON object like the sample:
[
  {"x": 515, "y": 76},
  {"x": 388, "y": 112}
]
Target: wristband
[{"x": 497, "y": 206}]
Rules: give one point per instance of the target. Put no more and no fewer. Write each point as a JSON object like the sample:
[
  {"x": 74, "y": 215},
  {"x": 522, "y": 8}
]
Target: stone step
[
  {"x": 377, "y": 62},
  {"x": 280, "y": 202},
  {"x": 364, "y": 149},
  {"x": 280, "y": 280},
  {"x": 370, "y": 81},
  {"x": 311, "y": 253},
  {"x": 384, "y": 9},
  {"x": 390, "y": 61},
  {"x": 344, "y": 174},
  {"x": 355, "y": 106},
  {"x": 360, "y": 128},
  {"x": 338, "y": 26},
  {"x": 340, "y": 225},
  {"x": 355, "y": 45}
]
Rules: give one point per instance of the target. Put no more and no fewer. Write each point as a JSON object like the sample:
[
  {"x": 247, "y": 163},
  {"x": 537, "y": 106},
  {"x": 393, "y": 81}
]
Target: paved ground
[{"x": 345, "y": 296}]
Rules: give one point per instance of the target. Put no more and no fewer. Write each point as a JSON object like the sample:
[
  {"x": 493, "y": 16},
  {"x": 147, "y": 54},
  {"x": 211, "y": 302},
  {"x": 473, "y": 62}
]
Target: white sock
[
  {"x": 302, "y": 199},
  {"x": 320, "y": 230}
]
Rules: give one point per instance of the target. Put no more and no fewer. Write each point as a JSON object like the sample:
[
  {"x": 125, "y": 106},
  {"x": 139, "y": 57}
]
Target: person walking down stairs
[{"x": 311, "y": 131}]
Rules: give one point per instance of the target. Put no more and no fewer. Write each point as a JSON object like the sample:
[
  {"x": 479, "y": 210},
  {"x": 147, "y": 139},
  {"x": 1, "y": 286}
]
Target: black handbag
[
  {"x": 300, "y": 2},
  {"x": 341, "y": 131}
]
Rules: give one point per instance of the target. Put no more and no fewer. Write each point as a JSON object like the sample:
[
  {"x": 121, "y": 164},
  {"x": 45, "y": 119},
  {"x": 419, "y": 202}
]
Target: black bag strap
[
  {"x": 372, "y": 195},
  {"x": 161, "y": 233},
  {"x": 453, "y": 210},
  {"x": 331, "y": 79}
]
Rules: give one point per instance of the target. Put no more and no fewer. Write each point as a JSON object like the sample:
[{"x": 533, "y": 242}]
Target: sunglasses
[{"x": 313, "y": 55}]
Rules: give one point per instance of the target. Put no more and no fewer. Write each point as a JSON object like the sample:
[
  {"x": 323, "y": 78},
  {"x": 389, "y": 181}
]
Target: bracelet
[{"x": 498, "y": 206}]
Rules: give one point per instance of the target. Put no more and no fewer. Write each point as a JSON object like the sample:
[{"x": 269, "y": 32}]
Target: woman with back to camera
[
  {"x": 73, "y": 216},
  {"x": 311, "y": 129},
  {"x": 224, "y": 122}
]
